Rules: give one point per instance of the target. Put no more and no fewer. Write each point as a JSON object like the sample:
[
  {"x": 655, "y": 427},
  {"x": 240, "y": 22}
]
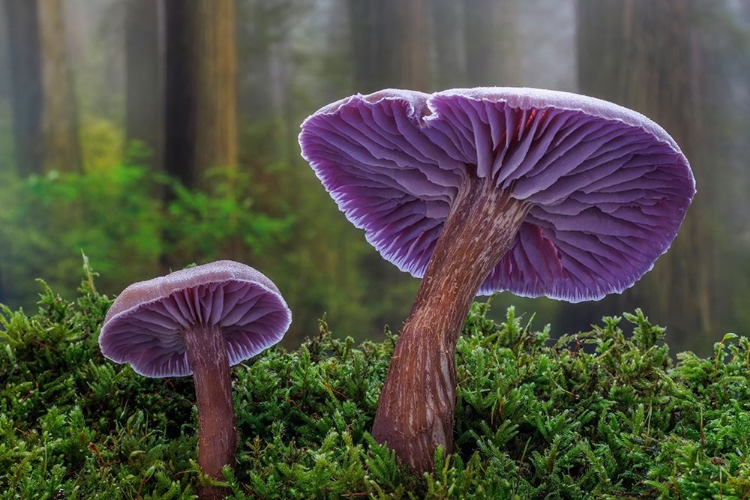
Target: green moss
[{"x": 601, "y": 414}]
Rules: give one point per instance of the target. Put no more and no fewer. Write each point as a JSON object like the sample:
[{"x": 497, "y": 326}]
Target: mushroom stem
[
  {"x": 417, "y": 404},
  {"x": 217, "y": 435}
]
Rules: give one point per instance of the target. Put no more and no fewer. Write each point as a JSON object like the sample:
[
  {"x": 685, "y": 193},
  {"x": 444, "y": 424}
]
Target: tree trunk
[
  {"x": 201, "y": 114},
  {"x": 476, "y": 43},
  {"x": 492, "y": 38},
  {"x": 389, "y": 41},
  {"x": 26, "y": 84},
  {"x": 642, "y": 54},
  {"x": 44, "y": 106},
  {"x": 62, "y": 149},
  {"x": 450, "y": 44},
  {"x": 143, "y": 99},
  {"x": 389, "y": 44}
]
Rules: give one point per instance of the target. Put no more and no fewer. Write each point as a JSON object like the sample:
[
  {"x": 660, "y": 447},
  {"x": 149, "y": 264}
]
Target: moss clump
[{"x": 593, "y": 415}]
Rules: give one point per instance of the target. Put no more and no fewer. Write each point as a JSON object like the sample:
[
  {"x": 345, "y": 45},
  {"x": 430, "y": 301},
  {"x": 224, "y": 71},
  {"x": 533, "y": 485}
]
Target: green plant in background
[
  {"x": 118, "y": 218},
  {"x": 600, "y": 414},
  {"x": 103, "y": 144},
  {"x": 46, "y": 221},
  {"x": 220, "y": 222}
]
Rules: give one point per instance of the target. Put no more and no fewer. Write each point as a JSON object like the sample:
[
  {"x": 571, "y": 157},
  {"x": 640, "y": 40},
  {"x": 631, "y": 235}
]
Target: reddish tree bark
[{"x": 201, "y": 101}]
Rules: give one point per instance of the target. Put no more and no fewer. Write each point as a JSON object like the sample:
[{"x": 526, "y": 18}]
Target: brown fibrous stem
[
  {"x": 417, "y": 404},
  {"x": 217, "y": 435}
]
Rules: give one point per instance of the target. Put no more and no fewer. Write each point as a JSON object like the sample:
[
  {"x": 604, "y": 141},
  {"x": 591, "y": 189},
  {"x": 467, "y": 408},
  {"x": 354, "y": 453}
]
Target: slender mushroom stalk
[
  {"x": 423, "y": 365},
  {"x": 536, "y": 192},
  {"x": 217, "y": 433},
  {"x": 199, "y": 321}
]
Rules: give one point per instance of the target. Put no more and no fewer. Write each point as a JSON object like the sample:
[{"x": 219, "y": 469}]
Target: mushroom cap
[
  {"x": 143, "y": 327},
  {"x": 607, "y": 187}
]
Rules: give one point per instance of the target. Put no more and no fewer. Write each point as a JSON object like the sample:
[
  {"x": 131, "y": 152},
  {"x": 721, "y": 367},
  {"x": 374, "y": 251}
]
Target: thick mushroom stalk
[
  {"x": 536, "y": 192},
  {"x": 199, "y": 321},
  {"x": 416, "y": 408}
]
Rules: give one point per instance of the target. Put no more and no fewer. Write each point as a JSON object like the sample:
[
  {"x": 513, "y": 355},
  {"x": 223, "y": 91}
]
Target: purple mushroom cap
[
  {"x": 607, "y": 187},
  {"x": 143, "y": 327}
]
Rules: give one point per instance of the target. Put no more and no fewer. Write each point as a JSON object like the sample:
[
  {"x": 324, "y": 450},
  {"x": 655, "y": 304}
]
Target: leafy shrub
[
  {"x": 599, "y": 414},
  {"x": 205, "y": 226},
  {"x": 116, "y": 217}
]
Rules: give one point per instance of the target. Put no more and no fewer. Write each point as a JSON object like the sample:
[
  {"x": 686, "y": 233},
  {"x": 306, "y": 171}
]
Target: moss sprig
[{"x": 600, "y": 414}]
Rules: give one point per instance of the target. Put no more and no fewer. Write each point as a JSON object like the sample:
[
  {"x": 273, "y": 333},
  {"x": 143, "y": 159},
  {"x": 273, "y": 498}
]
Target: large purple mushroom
[
  {"x": 478, "y": 190},
  {"x": 198, "y": 321}
]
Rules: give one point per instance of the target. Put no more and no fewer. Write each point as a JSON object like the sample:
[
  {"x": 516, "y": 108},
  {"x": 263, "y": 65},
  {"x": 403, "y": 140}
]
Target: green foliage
[
  {"x": 601, "y": 414},
  {"x": 116, "y": 216},
  {"x": 205, "y": 225},
  {"x": 115, "y": 212},
  {"x": 47, "y": 220},
  {"x": 102, "y": 143}
]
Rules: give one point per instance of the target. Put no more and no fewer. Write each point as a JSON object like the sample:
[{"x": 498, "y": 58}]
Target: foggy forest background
[{"x": 155, "y": 134}]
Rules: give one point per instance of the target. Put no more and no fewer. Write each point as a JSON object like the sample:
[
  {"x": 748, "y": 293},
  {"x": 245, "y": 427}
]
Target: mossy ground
[{"x": 601, "y": 414}]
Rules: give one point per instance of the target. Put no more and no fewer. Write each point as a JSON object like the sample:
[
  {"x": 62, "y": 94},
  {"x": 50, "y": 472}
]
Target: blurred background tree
[
  {"x": 649, "y": 56},
  {"x": 44, "y": 105},
  {"x": 143, "y": 46},
  {"x": 201, "y": 96},
  {"x": 175, "y": 138}
]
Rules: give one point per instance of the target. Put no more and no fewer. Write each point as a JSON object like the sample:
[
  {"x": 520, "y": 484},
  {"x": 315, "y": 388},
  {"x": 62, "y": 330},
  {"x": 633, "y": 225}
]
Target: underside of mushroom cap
[
  {"x": 143, "y": 327},
  {"x": 607, "y": 187}
]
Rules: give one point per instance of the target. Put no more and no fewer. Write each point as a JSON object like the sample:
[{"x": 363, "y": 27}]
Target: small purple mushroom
[
  {"x": 478, "y": 190},
  {"x": 198, "y": 321}
]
